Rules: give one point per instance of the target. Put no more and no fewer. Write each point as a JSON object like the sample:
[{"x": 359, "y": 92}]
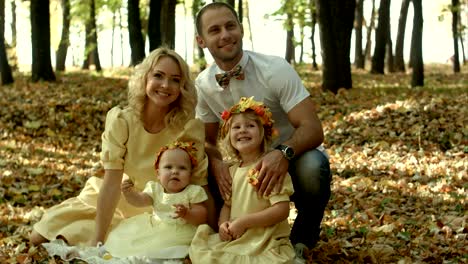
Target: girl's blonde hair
[
  {"x": 228, "y": 151},
  {"x": 181, "y": 110}
]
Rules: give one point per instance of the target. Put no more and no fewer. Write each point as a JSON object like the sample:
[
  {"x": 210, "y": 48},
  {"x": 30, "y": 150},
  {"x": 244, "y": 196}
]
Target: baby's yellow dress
[
  {"x": 269, "y": 245},
  {"x": 159, "y": 235},
  {"x": 125, "y": 145}
]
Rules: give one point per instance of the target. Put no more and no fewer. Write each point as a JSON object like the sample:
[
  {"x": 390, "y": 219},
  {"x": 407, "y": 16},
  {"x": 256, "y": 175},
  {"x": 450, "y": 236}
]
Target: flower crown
[
  {"x": 249, "y": 104},
  {"x": 187, "y": 146}
]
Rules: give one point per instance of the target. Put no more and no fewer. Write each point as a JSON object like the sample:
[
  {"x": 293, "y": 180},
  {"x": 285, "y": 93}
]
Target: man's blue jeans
[{"x": 311, "y": 178}]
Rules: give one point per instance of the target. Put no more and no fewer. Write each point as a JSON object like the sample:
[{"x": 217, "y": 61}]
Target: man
[{"x": 274, "y": 82}]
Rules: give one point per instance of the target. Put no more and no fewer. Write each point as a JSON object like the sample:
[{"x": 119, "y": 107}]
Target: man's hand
[
  {"x": 221, "y": 172},
  {"x": 273, "y": 168}
]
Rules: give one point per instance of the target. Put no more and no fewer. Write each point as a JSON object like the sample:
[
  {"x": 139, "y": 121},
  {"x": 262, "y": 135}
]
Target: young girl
[
  {"x": 177, "y": 211},
  {"x": 252, "y": 229}
]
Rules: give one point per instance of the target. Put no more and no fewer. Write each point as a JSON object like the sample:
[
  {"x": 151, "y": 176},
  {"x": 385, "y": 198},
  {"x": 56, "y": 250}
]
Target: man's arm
[
  {"x": 308, "y": 134},
  {"x": 211, "y": 136},
  {"x": 217, "y": 167}
]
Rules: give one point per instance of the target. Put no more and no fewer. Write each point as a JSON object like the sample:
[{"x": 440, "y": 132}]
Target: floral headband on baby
[
  {"x": 187, "y": 146},
  {"x": 249, "y": 104}
]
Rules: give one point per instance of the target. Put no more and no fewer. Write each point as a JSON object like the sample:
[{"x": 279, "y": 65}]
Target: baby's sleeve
[
  {"x": 197, "y": 194},
  {"x": 150, "y": 188},
  {"x": 114, "y": 139},
  {"x": 286, "y": 191}
]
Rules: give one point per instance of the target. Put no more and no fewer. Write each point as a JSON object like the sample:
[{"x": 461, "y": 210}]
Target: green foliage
[{"x": 196, "y": 6}]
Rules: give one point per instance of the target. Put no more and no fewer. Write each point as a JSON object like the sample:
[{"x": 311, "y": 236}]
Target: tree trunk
[
  {"x": 301, "y": 44},
  {"x": 336, "y": 18},
  {"x": 358, "y": 54},
  {"x": 91, "y": 45},
  {"x": 231, "y": 3},
  {"x": 399, "y": 62},
  {"x": 247, "y": 17},
  {"x": 40, "y": 40},
  {"x": 6, "y": 77},
  {"x": 455, "y": 33},
  {"x": 61, "y": 53},
  {"x": 240, "y": 10},
  {"x": 122, "y": 41},
  {"x": 381, "y": 36},
  {"x": 200, "y": 56},
  {"x": 114, "y": 24},
  {"x": 389, "y": 56},
  {"x": 13, "y": 24},
  {"x": 168, "y": 23},
  {"x": 462, "y": 40},
  {"x": 418, "y": 65},
  {"x": 154, "y": 24},
  {"x": 289, "y": 56},
  {"x": 370, "y": 28},
  {"x": 137, "y": 44},
  {"x": 312, "y": 37},
  {"x": 411, "y": 55}
]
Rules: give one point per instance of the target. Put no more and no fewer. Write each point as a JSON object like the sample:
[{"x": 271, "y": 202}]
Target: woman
[{"x": 161, "y": 105}]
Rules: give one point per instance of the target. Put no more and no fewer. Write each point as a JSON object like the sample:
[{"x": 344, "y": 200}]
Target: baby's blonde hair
[{"x": 183, "y": 109}]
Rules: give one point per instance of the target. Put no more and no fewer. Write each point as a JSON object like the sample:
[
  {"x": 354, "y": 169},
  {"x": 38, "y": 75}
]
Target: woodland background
[{"x": 396, "y": 133}]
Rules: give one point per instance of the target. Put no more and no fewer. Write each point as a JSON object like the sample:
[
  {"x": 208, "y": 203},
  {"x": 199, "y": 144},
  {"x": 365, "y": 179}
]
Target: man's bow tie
[{"x": 224, "y": 78}]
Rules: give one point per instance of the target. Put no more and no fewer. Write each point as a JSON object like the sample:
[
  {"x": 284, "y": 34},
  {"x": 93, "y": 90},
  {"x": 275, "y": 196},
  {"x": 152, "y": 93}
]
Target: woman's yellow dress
[
  {"x": 268, "y": 245},
  {"x": 127, "y": 146}
]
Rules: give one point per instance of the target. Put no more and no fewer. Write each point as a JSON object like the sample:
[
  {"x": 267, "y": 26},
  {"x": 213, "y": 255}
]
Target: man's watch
[{"x": 287, "y": 151}]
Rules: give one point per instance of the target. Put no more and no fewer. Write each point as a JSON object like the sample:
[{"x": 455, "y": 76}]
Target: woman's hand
[
  {"x": 272, "y": 170},
  {"x": 223, "y": 178},
  {"x": 224, "y": 233}
]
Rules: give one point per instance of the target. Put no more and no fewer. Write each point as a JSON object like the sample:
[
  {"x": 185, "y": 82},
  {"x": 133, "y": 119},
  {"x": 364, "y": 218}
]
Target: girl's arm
[
  {"x": 223, "y": 223},
  {"x": 196, "y": 214},
  {"x": 137, "y": 199},
  {"x": 108, "y": 197},
  {"x": 267, "y": 217}
]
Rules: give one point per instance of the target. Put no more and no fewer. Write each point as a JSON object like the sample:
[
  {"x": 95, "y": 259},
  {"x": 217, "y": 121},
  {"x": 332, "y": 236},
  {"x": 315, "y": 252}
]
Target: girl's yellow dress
[
  {"x": 159, "y": 235},
  {"x": 269, "y": 245},
  {"x": 125, "y": 145}
]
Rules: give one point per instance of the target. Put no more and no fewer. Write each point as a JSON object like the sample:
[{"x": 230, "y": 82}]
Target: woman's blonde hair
[
  {"x": 228, "y": 151},
  {"x": 181, "y": 110}
]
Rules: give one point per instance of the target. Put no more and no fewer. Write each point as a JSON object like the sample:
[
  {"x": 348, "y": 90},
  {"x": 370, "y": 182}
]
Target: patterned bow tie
[{"x": 224, "y": 78}]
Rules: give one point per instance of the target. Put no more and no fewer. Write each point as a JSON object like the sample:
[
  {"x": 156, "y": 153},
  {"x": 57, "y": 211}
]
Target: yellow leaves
[
  {"x": 34, "y": 188},
  {"x": 398, "y": 157},
  {"x": 381, "y": 252},
  {"x": 357, "y": 183},
  {"x": 33, "y": 124},
  {"x": 35, "y": 171},
  {"x": 386, "y": 229}
]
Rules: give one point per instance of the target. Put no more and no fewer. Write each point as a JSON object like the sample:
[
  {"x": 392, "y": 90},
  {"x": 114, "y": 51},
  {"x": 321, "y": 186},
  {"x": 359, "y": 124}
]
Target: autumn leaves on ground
[{"x": 398, "y": 156}]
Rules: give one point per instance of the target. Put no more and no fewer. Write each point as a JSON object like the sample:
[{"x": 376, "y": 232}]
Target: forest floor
[{"x": 398, "y": 157}]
